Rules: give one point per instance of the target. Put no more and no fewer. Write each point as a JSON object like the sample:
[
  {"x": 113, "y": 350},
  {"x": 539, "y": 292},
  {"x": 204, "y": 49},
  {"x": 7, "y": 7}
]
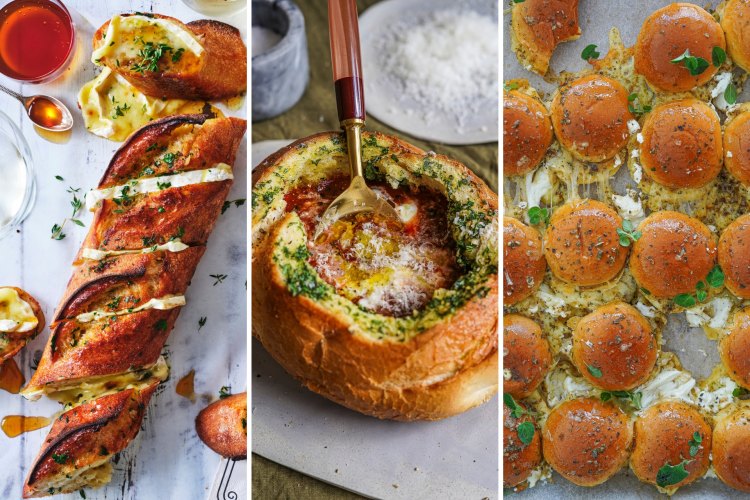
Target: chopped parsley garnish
[
  {"x": 695, "y": 65},
  {"x": 61, "y": 458},
  {"x": 163, "y": 185},
  {"x": 120, "y": 110},
  {"x": 150, "y": 55},
  {"x": 177, "y": 55},
  {"x": 169, "y": 158},
  {"x": 590, "y": 52},
  {"x": 237, "y": 203},
  {"x": 161, "y": 325}
]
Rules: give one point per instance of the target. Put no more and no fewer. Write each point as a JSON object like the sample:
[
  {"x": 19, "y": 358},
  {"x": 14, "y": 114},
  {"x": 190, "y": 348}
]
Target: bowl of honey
[{"x": 37, "y": 39}]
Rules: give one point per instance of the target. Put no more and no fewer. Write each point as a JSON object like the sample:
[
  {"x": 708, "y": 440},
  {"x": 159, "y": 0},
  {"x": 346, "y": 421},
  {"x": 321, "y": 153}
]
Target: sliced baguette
[
  {"x": 222, "y": 426},
  {"x": 12, "y": 342},
  {"x": 219, "y": 71}
]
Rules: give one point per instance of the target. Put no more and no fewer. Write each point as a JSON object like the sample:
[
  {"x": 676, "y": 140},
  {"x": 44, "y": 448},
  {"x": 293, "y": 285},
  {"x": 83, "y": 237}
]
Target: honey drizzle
[
  {"x": 186, "y": 386},
  {"x": 15, "y": 425},
  {"x": 11, "y": 378}
]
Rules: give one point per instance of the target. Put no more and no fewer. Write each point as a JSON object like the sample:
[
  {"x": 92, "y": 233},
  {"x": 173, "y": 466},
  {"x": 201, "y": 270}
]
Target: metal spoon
[
  {"x": 347, "y": 76},
  {"x": 56, "y": 116}
]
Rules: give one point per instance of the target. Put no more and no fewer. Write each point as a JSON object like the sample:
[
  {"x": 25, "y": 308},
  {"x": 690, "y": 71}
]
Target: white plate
[
  {"x": 382, "y": 96},
  {"x": 456, "y": 458}
]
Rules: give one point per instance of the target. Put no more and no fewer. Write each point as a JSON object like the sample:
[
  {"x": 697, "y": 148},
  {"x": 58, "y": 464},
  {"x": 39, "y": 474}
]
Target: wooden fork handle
[{"x": 346, "y": 59}]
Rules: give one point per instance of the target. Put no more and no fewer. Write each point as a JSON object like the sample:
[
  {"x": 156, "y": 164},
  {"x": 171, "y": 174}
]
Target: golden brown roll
[
  {"x": 614, "y": 347},
  {"x": 222, "y": 426},
  {"x": 526, "y": 355},
  {"x": 82, "y": 441},
  {"x": 586, "y": 440},
  {"x": 666, "y": 35},
  {"x": 527, "y": 133},
  {"x": 590, "y": 116},
  {"x": 737, "y": 147},
  {"x": 519, "y": 458},
  {"x": 682, "y": 145},
  {"x": 538, "y": 26},
  {"x": 21, "y": 320},
  {"x": 734, "y": 348},
  {"x": 729, "y": 449},
  {"x": 664, "y": 436},
  {"x": 735, "y": 20},
  {"x": 673, "y": 254},
  {"x": 734, "y": 256},
  {"x": 581, "y": 243},
  {"x": 524, "y": 264}
]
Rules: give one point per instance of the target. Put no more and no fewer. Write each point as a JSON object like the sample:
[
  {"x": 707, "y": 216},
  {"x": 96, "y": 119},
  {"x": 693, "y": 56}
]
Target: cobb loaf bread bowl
[
  {"x": 21, "y": 319},
  {"x": 431, "y": 361},
  {"x": 222, "y": 426},
  {"x": 164, "y": 58}
]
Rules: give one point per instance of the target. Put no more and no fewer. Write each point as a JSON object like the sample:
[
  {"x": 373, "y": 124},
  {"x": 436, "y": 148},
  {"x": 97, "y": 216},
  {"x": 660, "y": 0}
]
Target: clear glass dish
[
  {"x": 17, "y": 180},
  {"x": 216, "y": 7}
]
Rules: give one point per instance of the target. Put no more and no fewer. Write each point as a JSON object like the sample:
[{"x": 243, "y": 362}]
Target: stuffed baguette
[
  {"x": 164, "y": 58},
  {"x": 121, "y": 304}
]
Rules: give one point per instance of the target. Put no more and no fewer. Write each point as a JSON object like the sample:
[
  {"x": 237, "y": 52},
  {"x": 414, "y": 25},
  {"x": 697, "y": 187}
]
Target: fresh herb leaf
[
  {"x": 61, "y": 458},
  {"x": 202, "y": 322},
  {"x": 57, "y": 233},
  {"x": 219, "y": 278},
  {"x": 537, "y": 215},
  {"x": 669, "y": 475},
  {"x": 718, "y": 56},
  {"x": 161, "y": 325},
  {"x": 590, "y": 52},
  {"x": 684, "y": 300},
  {"x": 695, "y": 65},
  {"x": 510, "y": 86},
  {"x": 525, "y": 432},
  {"x": 163, "y": 185},
  {"x": 627, "y": 233},
  {"x": 59, "y": 178},
  {"x": 150, "y": 55},
  {"x": 695, "y": 443},
  {"x": 740, "y": 392},
  {"x": 516, "y": 410},
  {"x": 633, "y": 397},
  {"x": 634, "y": 108},
  {"x": 237, "y": 203},
  {"x": 594, "y": 371},
  {"x": 225, "y": 391},
  {"x": 177, "y": 55},
  {"x": 730, "y": 94}
]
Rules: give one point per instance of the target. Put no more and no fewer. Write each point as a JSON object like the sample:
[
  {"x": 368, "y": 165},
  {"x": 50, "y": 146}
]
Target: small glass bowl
[
  {"x": 10, "y": 133},
  {"x": 52, "y": 74}
]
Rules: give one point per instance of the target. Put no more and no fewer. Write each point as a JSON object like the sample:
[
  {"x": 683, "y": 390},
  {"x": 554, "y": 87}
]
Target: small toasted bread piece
[
  {"x": 587, "y": 440},
  {"x": 523, "y": 261},
  {"x": 520, "y": 456},
  {"x": 663, "y": 436},
  {"x": 538, "y": 27},
  {"x": 734, "y": 348},
  {"x": 82, "y": 441},
  {"x": 21, "y": 319},
  {"x": 737, "y": 145},
  {"x": 729, "y": 446},
  {"x": 222, "y": 426},
  {"x": 164, "y": 58},
  {"x": 673, "y": 254},
  {"x": 526, "y": 356},
  {"x": 735, "y": 20},
  {"x": 527, "y": 132},
  {"x": 581, "y": 243},
  {"x": 734, "y": 256}
]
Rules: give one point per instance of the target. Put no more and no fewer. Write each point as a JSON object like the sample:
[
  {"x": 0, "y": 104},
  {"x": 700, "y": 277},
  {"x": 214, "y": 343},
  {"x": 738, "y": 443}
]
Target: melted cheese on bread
[{"x": 16, "y": 315}]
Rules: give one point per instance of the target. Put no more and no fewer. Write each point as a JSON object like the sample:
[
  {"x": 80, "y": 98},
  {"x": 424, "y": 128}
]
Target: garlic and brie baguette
[{"x": 21, "y": 319}]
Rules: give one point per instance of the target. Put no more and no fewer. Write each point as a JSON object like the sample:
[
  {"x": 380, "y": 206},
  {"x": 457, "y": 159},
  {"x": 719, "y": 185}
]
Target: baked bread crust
[
  {"x": 441, "y": 364},
  {"x": 222, "y": 72},
  {"x": 222, "y": 426},
  {"x": 17, "y": 340},
  {"x": 86, "y": 438}
]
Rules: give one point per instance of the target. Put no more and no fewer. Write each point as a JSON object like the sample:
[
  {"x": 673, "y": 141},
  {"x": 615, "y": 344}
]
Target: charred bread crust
[
  {"x": 157, "y": 217},
  {"x": 437, "y": 363},
  {"x": 124, "y": 282},
  {"x": 198, "y": 142},
  {"x": 222, "y": 426},
  {"x": 88, "y": 434},
  {"x": 17, "y": 340},
  {"x": 221, "y": 74},
  {"x": 77, "y": 351}
]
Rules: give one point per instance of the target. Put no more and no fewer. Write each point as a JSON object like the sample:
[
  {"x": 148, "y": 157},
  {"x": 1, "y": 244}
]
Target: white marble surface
[
  {"x": 455, "y": 458},
  {"x": 166, "y": 460}
]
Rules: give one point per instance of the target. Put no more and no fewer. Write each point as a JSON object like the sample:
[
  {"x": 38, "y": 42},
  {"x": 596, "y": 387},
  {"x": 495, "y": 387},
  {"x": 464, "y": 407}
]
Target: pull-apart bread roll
[
  {"x": 164, "y": 58},
  {"x": 21, "y": 319},
  {"x": 82, "y": 441},
  {"x": 222, "y": 426},
  {"x": 392, "y": 321},
  {"x": 154, "y": 209}
]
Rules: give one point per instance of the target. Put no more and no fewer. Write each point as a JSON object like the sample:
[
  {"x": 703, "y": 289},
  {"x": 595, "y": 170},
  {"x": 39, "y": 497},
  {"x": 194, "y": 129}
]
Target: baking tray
[
  {"x": 697, "y": 354},
  {"x": 455, "y": 458}
]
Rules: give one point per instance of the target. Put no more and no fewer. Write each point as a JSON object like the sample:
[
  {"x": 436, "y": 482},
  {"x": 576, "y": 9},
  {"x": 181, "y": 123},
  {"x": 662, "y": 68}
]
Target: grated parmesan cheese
[{"x": 445, "y": 61}]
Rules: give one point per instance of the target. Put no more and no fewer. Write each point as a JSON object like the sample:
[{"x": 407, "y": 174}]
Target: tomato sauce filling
[{"x": 384, "y": 267}]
